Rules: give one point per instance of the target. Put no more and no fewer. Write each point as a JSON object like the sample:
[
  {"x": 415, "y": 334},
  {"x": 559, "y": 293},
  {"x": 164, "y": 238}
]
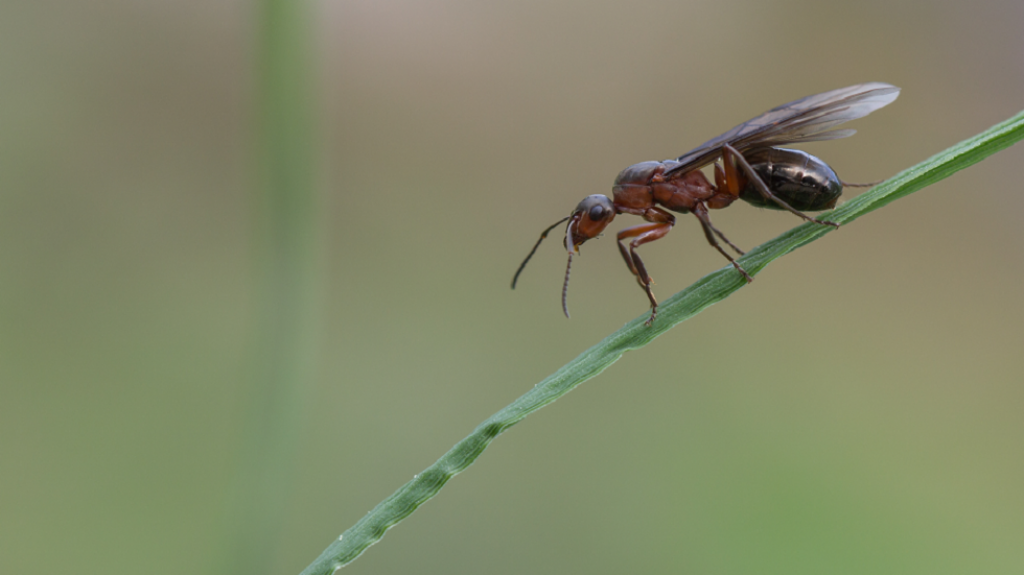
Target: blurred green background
[{"x": 856, "y": 409}]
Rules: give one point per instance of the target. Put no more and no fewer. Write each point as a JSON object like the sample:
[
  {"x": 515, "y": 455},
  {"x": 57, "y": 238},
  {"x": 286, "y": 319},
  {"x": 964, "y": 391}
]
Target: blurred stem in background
[{"x": 284, "y": 335}]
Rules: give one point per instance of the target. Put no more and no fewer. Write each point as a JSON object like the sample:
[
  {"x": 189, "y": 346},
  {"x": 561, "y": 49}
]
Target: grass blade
[
  {"x": 678, "y": 308},
  {"x": 280, "y": 378}
]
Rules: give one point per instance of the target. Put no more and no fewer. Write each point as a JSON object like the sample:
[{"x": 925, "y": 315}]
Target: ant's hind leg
[{"x": 864, "y": 185}]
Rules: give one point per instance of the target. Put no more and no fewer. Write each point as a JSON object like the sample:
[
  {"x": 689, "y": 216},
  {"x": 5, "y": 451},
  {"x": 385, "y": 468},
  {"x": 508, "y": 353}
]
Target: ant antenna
[
  {"x": 568, "y": 267},
  {"x": 543, "y": 235},
  {"x": 565, "y": 287}
]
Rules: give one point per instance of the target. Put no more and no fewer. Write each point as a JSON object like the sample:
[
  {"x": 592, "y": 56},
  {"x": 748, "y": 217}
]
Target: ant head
[{"x": 588, "y": 220}]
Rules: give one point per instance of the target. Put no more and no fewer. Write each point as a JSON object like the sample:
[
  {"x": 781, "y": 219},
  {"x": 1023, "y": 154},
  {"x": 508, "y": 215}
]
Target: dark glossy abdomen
[{"x": 796, "y": 177}]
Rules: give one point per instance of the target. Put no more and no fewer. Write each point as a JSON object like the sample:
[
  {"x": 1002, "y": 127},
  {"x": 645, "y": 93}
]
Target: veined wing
[{"x": 804, "y": 120}]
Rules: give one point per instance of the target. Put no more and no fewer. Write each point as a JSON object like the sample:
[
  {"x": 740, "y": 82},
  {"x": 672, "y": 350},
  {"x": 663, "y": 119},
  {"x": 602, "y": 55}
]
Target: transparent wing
[{"x": 805, "y": 120}]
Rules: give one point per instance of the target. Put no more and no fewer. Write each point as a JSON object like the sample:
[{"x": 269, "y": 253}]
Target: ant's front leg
[
  {"x": 642, "y": 234},
  {"x": 732, "y": 158}
]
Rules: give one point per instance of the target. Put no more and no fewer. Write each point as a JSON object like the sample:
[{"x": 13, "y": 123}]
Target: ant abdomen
[{"x": 797, "y": 178}]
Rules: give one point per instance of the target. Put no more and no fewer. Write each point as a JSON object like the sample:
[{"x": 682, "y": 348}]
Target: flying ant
[{"x": 753, "y": 168}]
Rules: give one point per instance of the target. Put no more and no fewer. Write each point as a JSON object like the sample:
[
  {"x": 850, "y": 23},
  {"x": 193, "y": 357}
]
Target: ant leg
[
  {"x": 655, "y": 215},
  {"x": 709, "y": 232},
  {"x": 724, "y": 239},
  {"x": 625, "y": 233},
  {"x": 729, "y": 180},
  {"x": 726, "y": 190},
  {"x": 865, "y": 185},
  {"x": 642, "y": 234},
  {"x": 730, "y": 155}
]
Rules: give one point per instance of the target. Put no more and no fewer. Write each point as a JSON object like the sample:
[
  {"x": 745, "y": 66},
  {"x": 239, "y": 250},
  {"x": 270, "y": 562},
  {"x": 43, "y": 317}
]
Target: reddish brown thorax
[{"x": 644, "y": 185}]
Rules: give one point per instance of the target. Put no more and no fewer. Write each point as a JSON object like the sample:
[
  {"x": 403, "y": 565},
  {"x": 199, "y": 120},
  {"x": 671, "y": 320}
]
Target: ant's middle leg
[
  {"x": 732, "y": 158},
  {"x": 724, "y": 239},
  {"x": 726, "y": 191},
  {"x": 709, "y": 232}
]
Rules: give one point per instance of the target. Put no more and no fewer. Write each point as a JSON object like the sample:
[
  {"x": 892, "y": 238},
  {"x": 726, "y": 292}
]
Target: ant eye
[{"x": 597, "y": 213}]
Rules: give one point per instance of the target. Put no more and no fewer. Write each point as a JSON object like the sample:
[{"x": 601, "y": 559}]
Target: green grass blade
[
  {"x": 683, "y": 305},
  {"x": 280, "y": 366}
]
